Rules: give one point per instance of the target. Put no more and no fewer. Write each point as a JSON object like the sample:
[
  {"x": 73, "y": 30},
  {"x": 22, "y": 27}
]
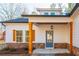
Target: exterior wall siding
[
  {"x": 60, "y": 32},
  {"x": 76, "y": 32},
  {"x": 15, "y": 26},
  {"x": 37, "y": 45},
  {"x": 49, "y": 19}
]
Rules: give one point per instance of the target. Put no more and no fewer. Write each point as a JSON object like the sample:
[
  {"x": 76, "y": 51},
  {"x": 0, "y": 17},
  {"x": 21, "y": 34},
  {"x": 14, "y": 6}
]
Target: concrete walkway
[{"x": 49, "y": 51}]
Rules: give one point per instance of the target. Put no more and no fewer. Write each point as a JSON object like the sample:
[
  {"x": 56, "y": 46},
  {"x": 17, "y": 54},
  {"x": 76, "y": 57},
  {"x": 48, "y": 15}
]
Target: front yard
[
  {"x": 14, "y": 51},
  {"x": 9, "y": 51}
]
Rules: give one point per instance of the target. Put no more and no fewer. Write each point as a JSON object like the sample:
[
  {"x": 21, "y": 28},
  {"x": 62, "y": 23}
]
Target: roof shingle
[{"x": 17, "y": 20}]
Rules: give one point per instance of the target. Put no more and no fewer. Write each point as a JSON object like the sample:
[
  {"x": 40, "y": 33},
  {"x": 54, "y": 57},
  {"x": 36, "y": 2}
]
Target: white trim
[{"x": 23, "y": 36}]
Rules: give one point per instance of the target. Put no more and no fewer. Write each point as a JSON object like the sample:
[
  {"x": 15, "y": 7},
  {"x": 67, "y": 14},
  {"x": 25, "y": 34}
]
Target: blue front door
[{"x": 49, "y": 39}]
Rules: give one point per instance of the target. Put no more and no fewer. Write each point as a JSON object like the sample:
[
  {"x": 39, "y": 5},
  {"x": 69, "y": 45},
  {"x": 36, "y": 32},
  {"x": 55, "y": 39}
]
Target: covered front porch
[
  {"x": 59, "y": 35},
  {"x": 56, "y": 44}
]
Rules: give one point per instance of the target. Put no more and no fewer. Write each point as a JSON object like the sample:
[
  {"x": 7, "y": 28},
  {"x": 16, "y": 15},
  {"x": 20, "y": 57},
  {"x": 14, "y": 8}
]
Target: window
[
  {"x": 19, "y": 36},
  {"x": 52, "y": 13},
  {"x": 26, "y": 36},
  {"x": 46, "y": 13}
]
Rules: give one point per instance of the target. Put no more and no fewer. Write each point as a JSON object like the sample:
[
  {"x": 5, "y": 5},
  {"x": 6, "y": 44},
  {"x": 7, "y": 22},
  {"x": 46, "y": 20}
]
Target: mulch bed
[
  {"x": 14, "y": 52},
  {"x": 19, "y": 51}
]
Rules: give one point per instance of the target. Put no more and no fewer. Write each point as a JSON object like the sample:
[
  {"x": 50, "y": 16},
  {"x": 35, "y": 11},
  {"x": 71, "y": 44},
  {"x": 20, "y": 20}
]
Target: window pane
[
  {"x": 18, "y": 36},
  {"x": 27, "y": 32},
  {"x": 27, "y": 39},
  {"x": 19, "y": 39}
]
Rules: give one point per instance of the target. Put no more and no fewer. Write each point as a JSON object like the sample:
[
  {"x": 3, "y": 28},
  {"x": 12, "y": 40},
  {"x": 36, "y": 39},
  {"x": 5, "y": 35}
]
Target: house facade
[
  {"x": 41, "y": 30},
  {"x": 44, "y": 31}
]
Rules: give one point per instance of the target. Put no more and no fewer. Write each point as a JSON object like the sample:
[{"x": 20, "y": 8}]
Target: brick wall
[
  {"x": 42, "y": 46},
  {"x": 37, "y": 45},
  {"x": 60, "y": 45},
  {"x": 17, "y": 45},
  {"x": 21, "y": 45},
  {"x": 76, "y": 51}
]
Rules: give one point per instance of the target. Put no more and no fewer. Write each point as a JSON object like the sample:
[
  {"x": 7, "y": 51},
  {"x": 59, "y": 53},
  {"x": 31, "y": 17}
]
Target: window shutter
[
  {"x": 14, "y": 35},
  {"x": 4, "y": 33},
  {"x": 33, "y": 35}
]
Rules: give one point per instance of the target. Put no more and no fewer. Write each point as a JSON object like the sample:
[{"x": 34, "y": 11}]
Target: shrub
[
  {"x": 5, "y": 49},
  {"x": 25, "y": 48},
  {"x": 12, "y": 49},
  {"x": 33, "y": 48},
  {"x": 9, "y": 49}
]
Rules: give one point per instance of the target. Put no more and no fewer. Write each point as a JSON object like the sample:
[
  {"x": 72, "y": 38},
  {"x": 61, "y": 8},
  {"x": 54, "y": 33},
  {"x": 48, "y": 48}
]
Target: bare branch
[{"x": 10, "y": 10}]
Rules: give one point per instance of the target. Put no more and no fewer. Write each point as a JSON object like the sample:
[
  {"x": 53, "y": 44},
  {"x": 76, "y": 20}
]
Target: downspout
[{"x": 3, "y": 24}]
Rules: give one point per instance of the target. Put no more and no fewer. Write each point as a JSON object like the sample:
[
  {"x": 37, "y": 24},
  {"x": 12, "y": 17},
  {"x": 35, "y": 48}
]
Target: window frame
[{"x": 20, "y": 36}]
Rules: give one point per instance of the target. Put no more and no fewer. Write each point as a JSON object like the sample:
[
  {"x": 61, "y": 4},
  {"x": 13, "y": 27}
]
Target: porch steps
[{"x": 50, "y": 52}]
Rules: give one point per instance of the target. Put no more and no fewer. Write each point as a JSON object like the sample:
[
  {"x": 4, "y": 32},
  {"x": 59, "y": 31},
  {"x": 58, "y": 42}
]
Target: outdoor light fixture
[{"x": 51, "y": 26}]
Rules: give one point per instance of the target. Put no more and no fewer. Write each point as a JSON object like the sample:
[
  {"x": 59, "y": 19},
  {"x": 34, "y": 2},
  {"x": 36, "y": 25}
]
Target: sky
[
  {"x": 41, "y": 5},
  {"x": 39, "y": 1}
]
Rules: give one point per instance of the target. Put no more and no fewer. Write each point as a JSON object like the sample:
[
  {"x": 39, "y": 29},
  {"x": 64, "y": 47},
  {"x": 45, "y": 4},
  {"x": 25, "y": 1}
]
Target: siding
[
  {"x": 61, "y": 32},
  {"x": 16, "y": 26},
  {"x": 49, "y": 19},
  {"x": 76, "y": 32}
]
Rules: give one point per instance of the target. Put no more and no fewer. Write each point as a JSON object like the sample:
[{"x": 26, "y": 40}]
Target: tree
[
  {"x": 70, "y": 6},
  {"x": 53, "y": 5},
  {"x": 59, "y": 5},
  {"x": 10, "y": 10}
]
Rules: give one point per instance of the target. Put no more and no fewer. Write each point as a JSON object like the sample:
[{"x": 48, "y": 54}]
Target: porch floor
[{"x": 50, "y": 52}]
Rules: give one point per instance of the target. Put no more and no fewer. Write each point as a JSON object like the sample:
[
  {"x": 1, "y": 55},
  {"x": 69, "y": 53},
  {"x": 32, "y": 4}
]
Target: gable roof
[{"x": 17, "y": 20}]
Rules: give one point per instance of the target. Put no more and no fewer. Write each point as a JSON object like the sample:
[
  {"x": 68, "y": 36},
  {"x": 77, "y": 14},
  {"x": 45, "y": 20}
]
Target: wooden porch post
[
  {"x": 30, "y": 37},
  {"x": 71, "y": 37}
]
